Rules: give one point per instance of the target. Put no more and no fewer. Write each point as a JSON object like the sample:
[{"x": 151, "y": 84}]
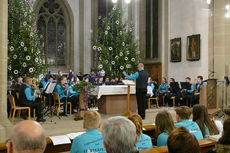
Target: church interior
[{"x": 88, "y": 51}]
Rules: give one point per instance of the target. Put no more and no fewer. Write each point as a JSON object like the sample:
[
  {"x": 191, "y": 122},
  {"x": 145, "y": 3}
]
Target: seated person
[
  {"x": 227, "y": 112},
  {"x": 29, "y": 99},
  {"x": 106, "y": 81},
  {"x": 200, "y": 116},
  {"x": 172, "y": 91},
  {"x": 91, "y": 140},
  {"x": 143, "y": 140},
  {"x": 196, "y": 96},
  {"x": 150, "y": 83},
  {"x": 223, "y": 145},
  {"x": 61, "y": 89},
  {"x": 119, "y": 135},
  {"x": 113, "y": 82},
  {"x": 164, "y": 126},
  {"x": 27, "y": 137},
  {"x": 182, "y": 115},
  {"x": 163, "y": 90},
  {"x": 188, "y": 93},
  {"x": 181, "y": 141},
  {"x": 100, "y": 82}
]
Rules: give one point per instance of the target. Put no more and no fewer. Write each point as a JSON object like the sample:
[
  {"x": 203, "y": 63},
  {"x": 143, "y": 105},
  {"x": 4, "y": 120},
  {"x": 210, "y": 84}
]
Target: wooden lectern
[
  {"x": 208, "y": 96},
  {"x": 128, "y": 83}
]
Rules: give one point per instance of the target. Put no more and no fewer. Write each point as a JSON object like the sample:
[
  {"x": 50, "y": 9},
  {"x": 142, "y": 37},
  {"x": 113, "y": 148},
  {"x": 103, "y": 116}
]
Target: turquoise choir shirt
[
  {"x": 163, "y": 87},
  {"x": 144, "y": 142},
  {"x": 134, "y": 76},
  {"x": 152, "y": 86},
  {"x": 198, "y": 86},
  {"x": 162, "y": 139},
  {"x": 206, "y": 131},
  {"x": 28, "y": 93},
  {"x": 192, "y": 127},
  {"x": 60, "y": 91},
  {"x": 91, "y": 140},
  {"x": 191, "y": 90}
]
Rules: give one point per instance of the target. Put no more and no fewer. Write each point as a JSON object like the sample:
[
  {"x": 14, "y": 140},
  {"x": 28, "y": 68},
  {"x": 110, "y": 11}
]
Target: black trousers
[
  {"x": 73, "y": 99},
  {"x": 195, "y": 99},
  {"x": 37, "y": 105},
  {"x": 49, "y": 96},
  {"x": 141, "y": 101}
]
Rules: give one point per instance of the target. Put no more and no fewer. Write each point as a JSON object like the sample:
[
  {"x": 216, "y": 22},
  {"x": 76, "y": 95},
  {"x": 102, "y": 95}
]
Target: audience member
[
  {"x": 143, "y": 140},
  {"x": 27, "y": 137},
  {"x": 119, "y": 135},
  {"x": 200, "y": 116},
  {"x": 181, "y": 141},
  {"x": 227, "y": 112},
  {"x": 164, "y": 126},
  {"x": 182, "y": 115},
  {"x": 223, "y": 145},
  {"x": 91, "y": 140}
]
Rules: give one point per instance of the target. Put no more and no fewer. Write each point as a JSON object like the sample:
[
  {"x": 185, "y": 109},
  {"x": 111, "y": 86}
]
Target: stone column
[{"x": 5, "y": 125}]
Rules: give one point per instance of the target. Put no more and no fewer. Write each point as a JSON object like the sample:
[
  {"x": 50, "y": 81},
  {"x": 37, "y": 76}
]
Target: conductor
[{"x": 141, "y": 88}]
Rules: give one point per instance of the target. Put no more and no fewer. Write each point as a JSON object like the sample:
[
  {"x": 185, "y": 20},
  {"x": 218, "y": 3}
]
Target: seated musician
[
  {"x": 183, "y": 114},
  {"x": 172, "y": 91},
  {"x": 49, "y": 96},
  {"x": 113, "y": 82},
  {"x": 62, "y": 89},
  {"x": 163, "y": 90},
  {"x": 29, "y": 99},
  {"x": 106, "y": 81},
  {"x": 101, "y": 82},
  {"x": 15, "y": 89},
  {"x": 187, "y": 93},
  {"x": 196, "y": 96}
]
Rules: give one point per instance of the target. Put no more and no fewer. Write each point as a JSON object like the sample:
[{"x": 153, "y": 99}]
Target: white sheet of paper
[
  {"x": 50, "y": 88},
  {"x": 128, "y": 82},
  {"x": 74, "y": 135},
  {"x": 215, "y": 137},
  {"x": 61, "y": 139}
]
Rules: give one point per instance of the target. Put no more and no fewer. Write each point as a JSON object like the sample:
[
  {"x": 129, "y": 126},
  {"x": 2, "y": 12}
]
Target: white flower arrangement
[
  {"x": 121, "y": 54},
  {"x": 15, "y": 57},
  {"x": 114, "y": 8},
  {"x": 116, "y": 57},
  {"x": 110, "y": 48},
  {"x": 127, "y": 52},
  {"x": 99, "y": 17},
  {"x": 128, "y": 66},
  {"x": 126, "y": 58},
  {"x": 94, "y": 47},
  {"x": 99, "y": 49},
  {"x": 25, "y": 14},
  {"x": 9, "y": 67},
  {"x": 28, "y": 58},
  {"x": 122, "y": 67},
  {"x": 11, "y": 48},
  {"x": 106, "y": 61},
  {"x": 100, "y": 66},
  {"x": 24, "y": 23},
  {"x": 133, "y": 59},
  {"x": 117, "y": 22},
  {"x": 123, "y": 43},
  {"x": 25, "y": 48},
  {"x": 31, "y": 70},
  {"x": 24, "y": 64},
  {"x": 36, "y": 59},
  {"x": 102, "y": 72},
  {"x": 113, "y": 62},
  {"x": 15, "y": 71},
  {"x": 120, "y": 32},
  {"x": 22, "y": 44},
  {"x": 106, "y": 32},
  {"x": 108, "y": 28}
]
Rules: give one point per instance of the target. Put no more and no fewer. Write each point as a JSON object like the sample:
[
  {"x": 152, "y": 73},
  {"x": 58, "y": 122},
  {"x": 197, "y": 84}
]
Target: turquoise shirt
[
  {"x": 206, "y": 131},
  {"x": 91, "y": 140},
  {"x": 162, "y": 139},
  {"x": 60, "y": 91},
  {"x": 191, "y": 90},
  {"x": 192, "y": 127},
  {"x": 134, "y": 76},
  {"x": 163, "y": 87},
  {"x": 29, "y": 93},
  {"x": 144, "y": 142}
]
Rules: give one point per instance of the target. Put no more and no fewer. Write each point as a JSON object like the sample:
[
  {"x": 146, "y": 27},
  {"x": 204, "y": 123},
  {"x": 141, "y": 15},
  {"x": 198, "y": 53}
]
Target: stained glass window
[{"x": 51, "y": 24}]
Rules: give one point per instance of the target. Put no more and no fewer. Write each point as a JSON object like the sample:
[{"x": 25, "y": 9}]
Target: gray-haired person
[
  {"x": 119, "y": 135},
  {"x": 27, "y": 137}
]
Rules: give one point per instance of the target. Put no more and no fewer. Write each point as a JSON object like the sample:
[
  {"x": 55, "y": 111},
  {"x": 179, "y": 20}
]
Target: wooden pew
[{"x": 205, "y": 145}]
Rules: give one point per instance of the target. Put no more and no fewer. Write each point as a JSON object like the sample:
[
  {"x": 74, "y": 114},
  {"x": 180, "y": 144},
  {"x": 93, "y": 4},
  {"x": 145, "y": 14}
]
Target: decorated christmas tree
[
  {"x": 25, "y": 45},
  {"x": 115, "y": 47}
]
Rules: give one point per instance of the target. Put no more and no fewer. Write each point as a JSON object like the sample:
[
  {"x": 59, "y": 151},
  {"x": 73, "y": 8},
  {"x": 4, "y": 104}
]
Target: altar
[{"x": 112, "y": 99}]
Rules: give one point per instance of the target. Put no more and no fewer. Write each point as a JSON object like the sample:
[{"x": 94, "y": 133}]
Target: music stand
[
  {"x": 175, "y": 86},
  {"x": 128, "y": 83},
  {"x": 185, "y": 85}
]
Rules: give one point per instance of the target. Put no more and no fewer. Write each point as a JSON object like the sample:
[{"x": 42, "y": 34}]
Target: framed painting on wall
[
  {"x": 175, "y": 47},
  {"x": 193, "y": 48}
]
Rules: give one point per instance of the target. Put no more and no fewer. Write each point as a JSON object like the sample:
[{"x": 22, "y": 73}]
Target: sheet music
[
  {"x": 128, "y": 82},
  {"x": 74, "y": 135},
  {"x": 61, "y": 139},
  {"x": 215, "y": 137},
  {"x": 50, "y": 88}
]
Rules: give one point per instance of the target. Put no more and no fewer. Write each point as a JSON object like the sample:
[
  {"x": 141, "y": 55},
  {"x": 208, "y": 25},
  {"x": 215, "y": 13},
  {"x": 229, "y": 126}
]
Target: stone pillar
[
  {"x": 5, "y": 125},
  {"x": 135, "y": 17}
]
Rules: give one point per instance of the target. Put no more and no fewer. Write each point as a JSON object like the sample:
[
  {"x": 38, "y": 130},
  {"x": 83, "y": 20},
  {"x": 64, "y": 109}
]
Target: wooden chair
[
  {"x": 174, "y": 100},
  {"x": 56, "y": 99},
  {"x": 153, "y": 98},
  {"x": 14, "y": 108}
]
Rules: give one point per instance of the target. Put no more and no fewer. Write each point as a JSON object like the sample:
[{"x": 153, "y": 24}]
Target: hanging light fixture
[
  {"x": 127, "y": 1},
  {"x": 114, "y": 1}
]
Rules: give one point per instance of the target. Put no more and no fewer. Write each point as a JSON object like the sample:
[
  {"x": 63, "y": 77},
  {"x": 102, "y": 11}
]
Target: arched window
[{"x": 52, "y": 25}]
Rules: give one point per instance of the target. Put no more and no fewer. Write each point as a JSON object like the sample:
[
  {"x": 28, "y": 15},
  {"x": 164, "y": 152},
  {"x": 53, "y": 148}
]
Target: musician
[
  {"x": 29, "y": 99},
  {"x": 106, "y": 81},
  {"x": 172, "y": 91},
  {"x": 92, "y": 76},
  {"x": 141, "y": 88},
  {"x": 61, "y": 89},
  {"x": 196, "y": 96},
  {"x": 187, "y": 94},
  {"x": 101, "y": 82},
  {"x": 163, "y": 90}
]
